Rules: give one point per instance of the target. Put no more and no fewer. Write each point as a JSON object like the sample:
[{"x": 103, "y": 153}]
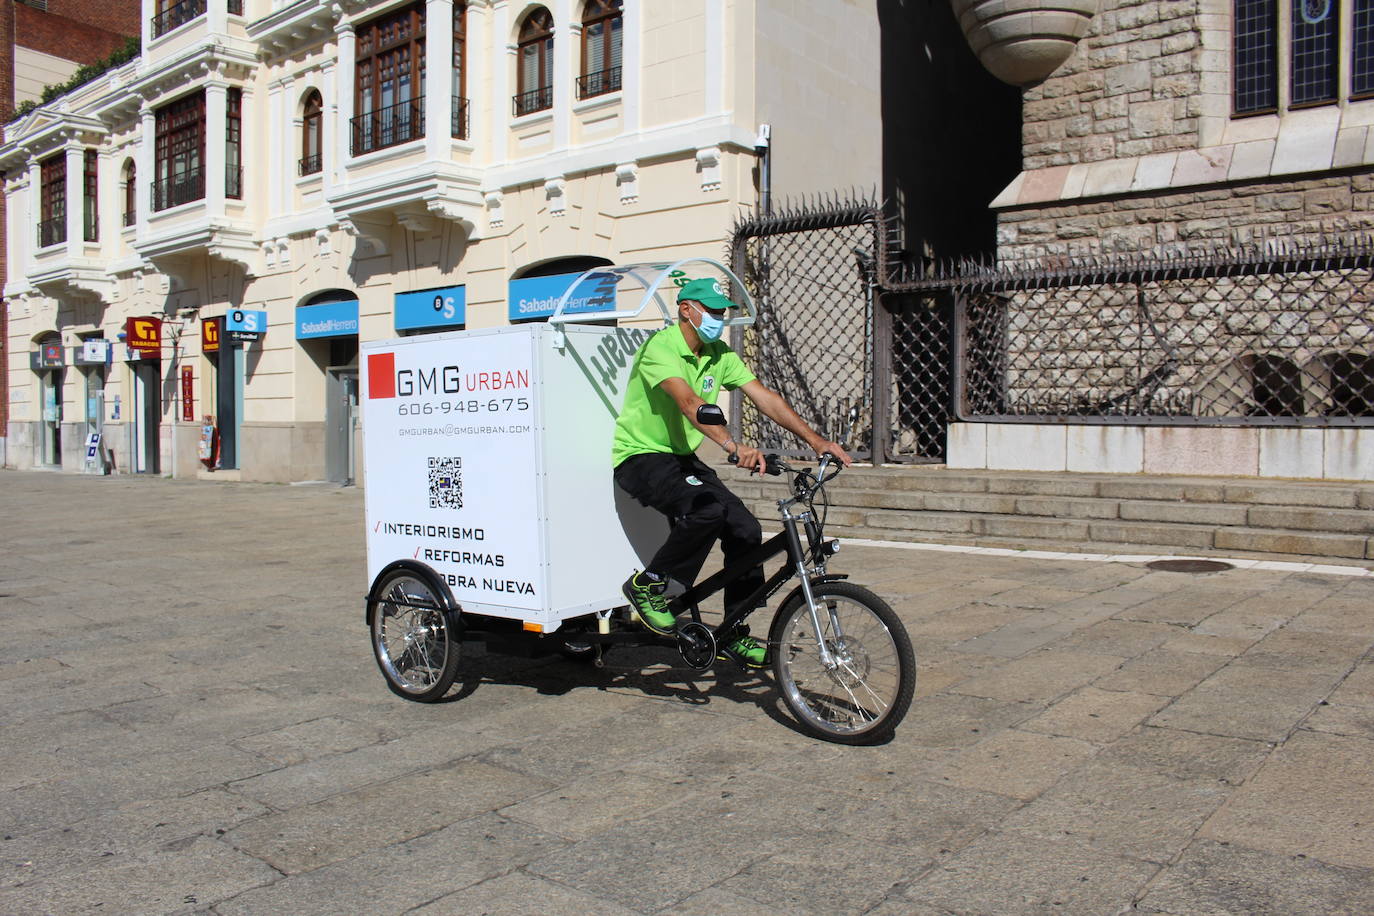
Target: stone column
[
  {"x": 330, "y": 130},
  {"x": 567, "y": 45},
  {"x": 280, "y": 165},
  {"x": 76, "y": 199},
  {"x": 36, "y": 213},
  {"x": 715, "y": 57},
  {"x": 146, "y": 170},
  {"x": 438, "y": 87},
  {"x": 343, "y": 91},
  {"x": 215, "y": 162},
  {"x": 631, "y": 65}
]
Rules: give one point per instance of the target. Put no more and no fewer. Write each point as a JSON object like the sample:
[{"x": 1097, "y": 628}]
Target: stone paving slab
[{"x": 191, "y": 722}]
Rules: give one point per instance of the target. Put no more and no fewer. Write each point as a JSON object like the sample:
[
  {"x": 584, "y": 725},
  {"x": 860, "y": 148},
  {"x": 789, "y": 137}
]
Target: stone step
[
  {"x": 1299, "y": 517},
  {"x": 1091, "y": 536},
  {"x": 1092, "y": 512},
  {"x": 1056, "y": 545},
  {"x": 936, "y": 479}
]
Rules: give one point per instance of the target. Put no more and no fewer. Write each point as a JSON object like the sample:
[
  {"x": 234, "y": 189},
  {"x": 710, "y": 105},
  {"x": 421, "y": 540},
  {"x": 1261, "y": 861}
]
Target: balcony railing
[
  {"x": 534, "y": 100},
  {"x": 181, "y": 188},
  {"x": 389, "y": 126},
  {"x": 52, "y": 231},
  {"x": 236, "y": 7},
  {"x": 309, "y": 165},
  {"x": 460, "y": 119},
  {"x": 233, "y": 181},
  {"x": 90, "y": 225},
  {"x": 130, "y": 217},
  {"x": 177, "y": 14},
  {"x": 598, "y": 83}
]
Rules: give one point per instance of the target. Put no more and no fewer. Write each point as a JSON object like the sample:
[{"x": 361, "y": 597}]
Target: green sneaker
[
  {"x": 648, "y": 604},
  {"x": 746, "y": 651}
]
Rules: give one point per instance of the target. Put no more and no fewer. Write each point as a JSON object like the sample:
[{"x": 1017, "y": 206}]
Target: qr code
[{"x": 446, "y": 483}]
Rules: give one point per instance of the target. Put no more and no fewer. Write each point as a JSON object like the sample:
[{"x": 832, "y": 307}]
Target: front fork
[{"x": 790, "y": 524}]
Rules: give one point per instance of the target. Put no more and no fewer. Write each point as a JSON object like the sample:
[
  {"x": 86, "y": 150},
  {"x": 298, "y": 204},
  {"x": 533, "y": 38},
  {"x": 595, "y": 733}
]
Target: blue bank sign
[
  {"x": 537, "y": 297},
  {"x": 245, "y": 324},
  {"x": 432, "y": 308},
  {"x": 330, "y": 319}
]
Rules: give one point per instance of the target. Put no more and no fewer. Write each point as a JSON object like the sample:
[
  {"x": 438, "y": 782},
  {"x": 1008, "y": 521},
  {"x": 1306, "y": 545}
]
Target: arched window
[
  {"x": 130, "y": 193},
  {"x": 312, "y": 125},
  {"x": 601, "y": 40},
  {"x": 534, "y": 63},
  {"x": 1275, "y": 386},
  {"x": 1352, "y": 385}
]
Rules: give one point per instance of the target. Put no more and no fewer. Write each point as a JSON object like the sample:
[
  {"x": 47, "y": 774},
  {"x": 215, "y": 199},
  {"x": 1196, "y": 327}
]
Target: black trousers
[{"x": 701, "y": 509}]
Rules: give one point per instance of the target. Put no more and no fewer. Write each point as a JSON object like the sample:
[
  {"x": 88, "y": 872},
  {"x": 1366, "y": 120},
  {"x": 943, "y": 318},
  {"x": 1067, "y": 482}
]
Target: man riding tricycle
[{"x": 533, "y": 557}]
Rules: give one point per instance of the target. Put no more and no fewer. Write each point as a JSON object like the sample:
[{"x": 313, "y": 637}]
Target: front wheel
[
  {"x": 414, "y": 637},
  {"x": 863, "y": 695}
]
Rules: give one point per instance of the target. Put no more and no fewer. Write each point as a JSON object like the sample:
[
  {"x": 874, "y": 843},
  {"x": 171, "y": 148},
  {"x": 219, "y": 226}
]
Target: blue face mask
[{"x": 710, "y": 327}]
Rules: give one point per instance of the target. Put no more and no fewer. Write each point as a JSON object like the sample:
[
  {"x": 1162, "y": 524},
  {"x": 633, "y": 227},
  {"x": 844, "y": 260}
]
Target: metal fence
[
  {"x": 1268, "y": 333},
  {"x": 830, "y": 336},
  {"x": 1264, "y": 334}
]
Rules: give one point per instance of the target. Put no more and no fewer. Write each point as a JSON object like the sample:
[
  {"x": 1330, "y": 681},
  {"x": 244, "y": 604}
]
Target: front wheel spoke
[{"x": 863, "y": 682}]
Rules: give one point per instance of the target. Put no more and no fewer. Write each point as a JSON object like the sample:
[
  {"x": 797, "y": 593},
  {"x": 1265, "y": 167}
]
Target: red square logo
[{"x": 381, "y": 375}]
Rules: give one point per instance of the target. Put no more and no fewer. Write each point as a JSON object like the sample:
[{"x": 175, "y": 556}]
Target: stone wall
[
  {"x": 1334, "y": 203},
  {"x": 1134, "y": 86}
]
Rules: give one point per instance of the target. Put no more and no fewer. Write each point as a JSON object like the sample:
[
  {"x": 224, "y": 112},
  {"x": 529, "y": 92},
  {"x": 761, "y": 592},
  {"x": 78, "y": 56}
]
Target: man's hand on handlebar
[
  {"x": 825, "y": 447},
  {"x": 748, "y": 458}
]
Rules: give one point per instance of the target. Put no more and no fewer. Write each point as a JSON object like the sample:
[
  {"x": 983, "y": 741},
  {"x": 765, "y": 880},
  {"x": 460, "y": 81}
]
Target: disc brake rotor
[{"x": 852, "y": 663}]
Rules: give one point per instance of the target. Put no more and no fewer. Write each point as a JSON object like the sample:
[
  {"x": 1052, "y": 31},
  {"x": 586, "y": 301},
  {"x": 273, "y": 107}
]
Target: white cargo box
[{"x": 488, "y": 459}]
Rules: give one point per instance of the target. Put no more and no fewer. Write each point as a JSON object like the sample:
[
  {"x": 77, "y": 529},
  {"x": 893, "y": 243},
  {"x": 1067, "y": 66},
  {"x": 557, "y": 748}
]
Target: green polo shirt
[{"x": 650, "y": 421}]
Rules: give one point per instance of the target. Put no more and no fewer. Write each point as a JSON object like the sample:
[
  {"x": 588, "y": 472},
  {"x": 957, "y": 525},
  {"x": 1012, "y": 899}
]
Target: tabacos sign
[
  {"x": 209, "y": 334},
  {"x": 143, "y": 334}
]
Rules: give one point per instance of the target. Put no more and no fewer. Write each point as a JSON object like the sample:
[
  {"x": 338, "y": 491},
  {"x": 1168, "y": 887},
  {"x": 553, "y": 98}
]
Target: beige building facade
[{"x": 308, "y": 176}]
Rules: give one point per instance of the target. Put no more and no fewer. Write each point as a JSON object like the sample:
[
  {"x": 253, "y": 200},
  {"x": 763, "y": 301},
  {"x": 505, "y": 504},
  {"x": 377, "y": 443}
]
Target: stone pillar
[
  {"x": 76, "y": 199},
  {"x": 567, "y": 46},
  {"x": 216, "y": 114},
  {"x": 438, "y": 87},
  {"x": 343, "y": 91},
  {"x": 145, "y": 173},
  {"x": 278, "y": 141},
  {"x": 715, "y": 57},
  {"x": 330, "y": 130},
  {"x": 631, "y": 64},
  {"x": 36, "y": 214}
]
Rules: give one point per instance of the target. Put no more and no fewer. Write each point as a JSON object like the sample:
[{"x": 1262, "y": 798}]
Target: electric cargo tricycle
[{"x": 491, "y": 515}]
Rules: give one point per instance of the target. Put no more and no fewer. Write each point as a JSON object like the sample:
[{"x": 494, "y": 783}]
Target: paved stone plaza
[{"x": 191, "y": 721}]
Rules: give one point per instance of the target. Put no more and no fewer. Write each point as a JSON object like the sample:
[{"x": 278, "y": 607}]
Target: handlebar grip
[{"x": 734, "y": 458}]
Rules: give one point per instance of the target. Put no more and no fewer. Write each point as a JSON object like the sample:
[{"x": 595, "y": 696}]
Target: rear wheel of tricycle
[
  {"x": 415, "y": 639},
  {"x": 863, "y": 695}
]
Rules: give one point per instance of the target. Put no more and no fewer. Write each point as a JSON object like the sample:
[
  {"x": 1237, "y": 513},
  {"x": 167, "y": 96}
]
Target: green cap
[{"x": 707, "y": 292}]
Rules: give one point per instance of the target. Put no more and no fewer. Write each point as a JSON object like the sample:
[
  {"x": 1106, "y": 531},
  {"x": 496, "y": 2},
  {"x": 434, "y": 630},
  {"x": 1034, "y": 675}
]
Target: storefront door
[
  {"x": 95, "y": 399},
  {"x": 229, "y": 401},
  {"x": 340, "y": 424},
  {"x": 146, "y": 416},
  {"x": 50, "y": 387}
]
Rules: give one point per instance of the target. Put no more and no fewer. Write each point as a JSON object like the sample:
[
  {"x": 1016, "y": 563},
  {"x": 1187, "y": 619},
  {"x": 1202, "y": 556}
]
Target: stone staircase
[{"x": 1315, "y": 521}]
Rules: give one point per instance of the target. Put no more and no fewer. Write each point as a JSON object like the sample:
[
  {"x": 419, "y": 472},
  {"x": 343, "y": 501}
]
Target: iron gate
[{"x": 828, "y": 338}]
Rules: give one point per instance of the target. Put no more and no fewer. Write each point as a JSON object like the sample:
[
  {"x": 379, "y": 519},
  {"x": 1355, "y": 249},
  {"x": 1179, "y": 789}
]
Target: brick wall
[
  {"x": 118, "y": 16},
  {"x": 63, "y": 37},
  {"x": 1131, "y": 88}
]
